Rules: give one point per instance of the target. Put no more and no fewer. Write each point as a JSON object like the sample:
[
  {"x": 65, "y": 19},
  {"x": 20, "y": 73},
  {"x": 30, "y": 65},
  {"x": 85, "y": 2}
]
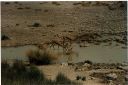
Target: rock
[
  {"x": 71, "y": 64},
  {"x": 78, "y": 77},
  {"x": 112, "y": 76},
  {"x": 123, "y": 68},
  {"x": 79, "y": 69},
  {"x": 116, "y": 5},
  {"x": 84, "y": 44},
  {"x": 64, "y": 64},
  {"x": 112, "y": 7},
  {"x": 82, "y": 69},
  {"x": 86, "y": 65},
  {"x": 88, "y": 62},
  {"x": 126, "y": 77},
  {"x": 81, "y": 78}
]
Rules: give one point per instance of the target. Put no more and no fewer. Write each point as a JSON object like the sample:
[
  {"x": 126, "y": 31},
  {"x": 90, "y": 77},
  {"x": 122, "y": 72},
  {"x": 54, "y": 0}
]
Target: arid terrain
[
  {"x": 69, "y": 29},
  {"x": 91, "y": 22}
]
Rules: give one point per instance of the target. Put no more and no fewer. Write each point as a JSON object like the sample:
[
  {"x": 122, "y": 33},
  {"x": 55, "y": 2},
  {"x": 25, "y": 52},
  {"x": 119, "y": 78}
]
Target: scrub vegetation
[
  {"x": 39, "y": 57},
  {"x": 19, "y": 74}
]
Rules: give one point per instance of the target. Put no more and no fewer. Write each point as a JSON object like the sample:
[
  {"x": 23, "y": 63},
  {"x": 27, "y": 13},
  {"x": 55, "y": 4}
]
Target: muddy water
[
  {"x": 19, "y": 53},
  {"x": 95, "y": 53},
  {"x": 101, "y": 54}
]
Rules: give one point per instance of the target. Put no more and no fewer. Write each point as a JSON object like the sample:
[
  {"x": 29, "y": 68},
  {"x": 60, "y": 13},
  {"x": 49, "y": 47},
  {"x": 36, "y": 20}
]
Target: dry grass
[{"x": 19, "y": 74}]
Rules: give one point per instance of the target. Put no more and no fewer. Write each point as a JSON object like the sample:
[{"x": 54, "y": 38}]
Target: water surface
[{"x": 95, "y": 53}]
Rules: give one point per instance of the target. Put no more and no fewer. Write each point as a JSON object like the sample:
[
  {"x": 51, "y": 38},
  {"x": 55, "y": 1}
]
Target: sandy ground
[
  {"x": 65, "y": 19},
  {"x": 51, "y": 72},
  {"x": 92, "y": 23}
]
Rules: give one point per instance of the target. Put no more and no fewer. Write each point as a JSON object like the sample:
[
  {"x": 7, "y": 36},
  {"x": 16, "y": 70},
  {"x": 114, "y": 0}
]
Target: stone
[
  {"x": 112, "y": 76},
  {"x": 64, "y": 64}
]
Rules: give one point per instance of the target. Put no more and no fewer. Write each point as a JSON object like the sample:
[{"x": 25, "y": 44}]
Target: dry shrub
[
  {"x": 56, "y": 3},
  {"x": 4, "y": 37},
  {"x": 4, "y": 64},
  {"x": 41, "y": 57},
  {"x": 36, "y": 24},
  {"x": 61, "y": 78},
  {"x": 85, "y": 4},
  {"x": 45, "y": 10},
  {"x": 78, "y": 3},
  {"x": 27, "y": 8},
  {"x": 20, "y": 8},
  {"x": 7, "y": 3},
  {"x": 16, "y": 2},
  {"x": 50, "y": 25},
  {"x": 19, "y": 74},
  {"x": 38, "y": 10}
]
